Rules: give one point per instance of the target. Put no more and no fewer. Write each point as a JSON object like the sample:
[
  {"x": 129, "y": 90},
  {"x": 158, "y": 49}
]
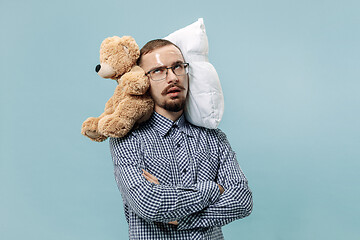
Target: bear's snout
[
  {"x": 97, "y": 68},
  {"x": 104, "y": 70}
]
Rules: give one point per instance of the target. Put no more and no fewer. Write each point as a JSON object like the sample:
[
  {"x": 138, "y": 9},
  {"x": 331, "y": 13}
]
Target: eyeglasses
[{"x": 179, "y": 69}]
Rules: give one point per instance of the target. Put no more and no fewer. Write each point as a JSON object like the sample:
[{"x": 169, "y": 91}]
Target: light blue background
[{"x": 290, "y": 73}]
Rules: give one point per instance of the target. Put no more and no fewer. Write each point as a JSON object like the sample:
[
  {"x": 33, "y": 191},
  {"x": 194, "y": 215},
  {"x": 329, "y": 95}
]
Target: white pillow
[{"x": 205, "y": 102}]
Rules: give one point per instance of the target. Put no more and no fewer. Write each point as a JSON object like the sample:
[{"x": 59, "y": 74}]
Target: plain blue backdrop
[{"x": 290, "y": 73}]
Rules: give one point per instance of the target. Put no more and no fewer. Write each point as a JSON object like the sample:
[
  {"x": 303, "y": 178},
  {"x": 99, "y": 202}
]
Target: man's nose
[{"x": 171, "y": 77}]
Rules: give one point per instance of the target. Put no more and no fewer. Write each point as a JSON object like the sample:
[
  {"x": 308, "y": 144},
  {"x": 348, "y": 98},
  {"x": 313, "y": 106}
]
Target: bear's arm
[{"x": 135, "y": 82}]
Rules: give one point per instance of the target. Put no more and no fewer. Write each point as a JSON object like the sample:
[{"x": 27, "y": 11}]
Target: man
[{"x": 177, "y": 181}]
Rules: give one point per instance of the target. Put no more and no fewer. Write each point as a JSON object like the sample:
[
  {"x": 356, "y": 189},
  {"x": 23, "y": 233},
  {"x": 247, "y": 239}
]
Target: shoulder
[
  {"x": 216, "y": 134},
  {"x": 221, "y": 139},
  {"x": 132, "y": 140},
  {"x": 124, "y": 150},
  {"x": 214, "y": 138}
]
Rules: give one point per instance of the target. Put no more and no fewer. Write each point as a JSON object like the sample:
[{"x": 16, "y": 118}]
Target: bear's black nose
[{"x": 97, "y": 68}]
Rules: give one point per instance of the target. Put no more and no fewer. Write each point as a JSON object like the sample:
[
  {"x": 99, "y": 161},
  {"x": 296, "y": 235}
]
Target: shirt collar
[{"x": 163, "y": 124}]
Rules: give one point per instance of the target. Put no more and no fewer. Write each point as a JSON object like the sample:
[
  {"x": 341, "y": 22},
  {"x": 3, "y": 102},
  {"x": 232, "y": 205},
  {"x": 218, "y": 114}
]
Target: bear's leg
[
  {"x": 146, "y": 111},
  {"x": 121, "y": 121},
  {"x": 90, "y": 129}
]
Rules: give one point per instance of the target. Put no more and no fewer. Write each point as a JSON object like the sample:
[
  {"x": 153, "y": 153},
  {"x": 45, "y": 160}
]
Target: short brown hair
[{"x": 153, "y": 45}]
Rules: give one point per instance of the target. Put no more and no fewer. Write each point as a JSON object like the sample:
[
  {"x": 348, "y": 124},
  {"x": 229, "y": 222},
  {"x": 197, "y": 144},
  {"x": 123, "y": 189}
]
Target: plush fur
[{"x": 131, "y": 102}]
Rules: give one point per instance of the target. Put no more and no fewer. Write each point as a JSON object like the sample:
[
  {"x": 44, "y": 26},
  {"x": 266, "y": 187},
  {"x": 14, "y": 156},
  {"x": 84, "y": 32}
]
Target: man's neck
[{"x": 173, "y": 116}]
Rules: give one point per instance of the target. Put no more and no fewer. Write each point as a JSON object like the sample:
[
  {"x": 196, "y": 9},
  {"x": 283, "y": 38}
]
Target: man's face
[{"x": 170, "y": 93}]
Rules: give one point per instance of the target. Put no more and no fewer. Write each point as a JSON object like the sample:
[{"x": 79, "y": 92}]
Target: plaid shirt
[{"x": 188, "y": 161}]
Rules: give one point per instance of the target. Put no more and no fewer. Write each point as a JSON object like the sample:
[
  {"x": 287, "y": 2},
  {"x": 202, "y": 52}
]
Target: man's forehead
[{"x": 161, "y": 55}]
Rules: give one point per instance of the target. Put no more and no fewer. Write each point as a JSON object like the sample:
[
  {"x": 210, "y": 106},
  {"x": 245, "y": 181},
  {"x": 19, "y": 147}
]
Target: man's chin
[{"x": 174, "y": 105}]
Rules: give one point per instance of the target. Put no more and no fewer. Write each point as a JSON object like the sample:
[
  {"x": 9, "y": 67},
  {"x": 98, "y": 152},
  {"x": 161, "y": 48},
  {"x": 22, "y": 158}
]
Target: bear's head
[{"x": 117, "y": 56}]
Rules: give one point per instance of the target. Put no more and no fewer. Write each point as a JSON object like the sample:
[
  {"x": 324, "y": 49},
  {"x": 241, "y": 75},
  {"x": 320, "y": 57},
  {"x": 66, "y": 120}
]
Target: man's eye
[
  {"x": 158, "y": 71},
  {"x": 177, "y": 66}
]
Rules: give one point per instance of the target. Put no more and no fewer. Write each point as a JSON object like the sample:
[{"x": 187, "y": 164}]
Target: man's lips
[{"x": 172, "y": 89}]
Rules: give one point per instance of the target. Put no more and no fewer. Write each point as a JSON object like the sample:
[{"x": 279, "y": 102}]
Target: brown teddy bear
[{"x": 131, "y": 102}]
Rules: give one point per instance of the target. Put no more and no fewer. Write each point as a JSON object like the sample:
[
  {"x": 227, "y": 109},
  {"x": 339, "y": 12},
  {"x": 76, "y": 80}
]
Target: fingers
[
  {"x": 151, "y": 178},
  {"x": 221, "y": 188},
  {"x": 174, "y": 223},
  {"x": 147, "y": 175}
]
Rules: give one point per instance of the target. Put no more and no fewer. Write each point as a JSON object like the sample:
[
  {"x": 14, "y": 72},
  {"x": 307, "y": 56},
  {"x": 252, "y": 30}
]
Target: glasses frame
[{"x": 185, "y": 64}]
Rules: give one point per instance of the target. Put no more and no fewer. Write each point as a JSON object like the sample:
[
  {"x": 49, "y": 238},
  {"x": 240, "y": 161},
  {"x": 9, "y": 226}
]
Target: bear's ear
[{"x": 126, "y": 49}]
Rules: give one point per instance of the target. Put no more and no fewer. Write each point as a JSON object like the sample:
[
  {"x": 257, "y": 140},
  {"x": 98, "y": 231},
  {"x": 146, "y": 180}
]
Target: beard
[{"x": 174, "y": 105}]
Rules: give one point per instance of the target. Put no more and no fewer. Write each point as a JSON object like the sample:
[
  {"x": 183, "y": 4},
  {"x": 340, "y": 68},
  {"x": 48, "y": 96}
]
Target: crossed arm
[
  {"x": 202, "y": 204},
  {"x": 153, "y": 202},
  {"x": 151, "y": 178},
  {"x": 234, "y": 203}
]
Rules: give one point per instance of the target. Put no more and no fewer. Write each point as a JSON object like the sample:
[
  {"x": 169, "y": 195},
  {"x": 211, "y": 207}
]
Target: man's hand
[
  {"x": 151, "y": 178},
  {"x": 221, "y": 188}
]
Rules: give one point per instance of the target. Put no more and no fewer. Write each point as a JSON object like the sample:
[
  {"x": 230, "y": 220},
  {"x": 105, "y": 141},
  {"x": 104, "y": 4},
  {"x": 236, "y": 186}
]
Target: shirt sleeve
[
  {"x": 236, "y": 201},
  {"x": 152, "y": 202}
]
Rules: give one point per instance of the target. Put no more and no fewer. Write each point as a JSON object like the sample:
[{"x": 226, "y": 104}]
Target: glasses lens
[
  {"x": 179, "y": 69},
  {"x": 158, "y": 74}
]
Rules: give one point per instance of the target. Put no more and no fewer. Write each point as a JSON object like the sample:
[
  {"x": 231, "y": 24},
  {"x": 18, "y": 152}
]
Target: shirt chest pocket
[
  {"x": 207, "y": 166},
  {"x": 160, "y": 167}
]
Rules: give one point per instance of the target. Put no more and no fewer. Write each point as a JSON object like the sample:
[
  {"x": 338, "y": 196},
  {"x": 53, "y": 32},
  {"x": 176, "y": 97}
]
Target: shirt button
[
  {"x": 184, "y": 171},
  {"x": 178, "y": 145}
]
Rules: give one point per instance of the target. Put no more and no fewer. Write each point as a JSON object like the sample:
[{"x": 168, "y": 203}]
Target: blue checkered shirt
[{"x": 188, "y": 161}]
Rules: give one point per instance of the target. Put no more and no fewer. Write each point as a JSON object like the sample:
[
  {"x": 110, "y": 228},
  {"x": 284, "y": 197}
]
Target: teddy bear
[{"x": 131, "y": 103}]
